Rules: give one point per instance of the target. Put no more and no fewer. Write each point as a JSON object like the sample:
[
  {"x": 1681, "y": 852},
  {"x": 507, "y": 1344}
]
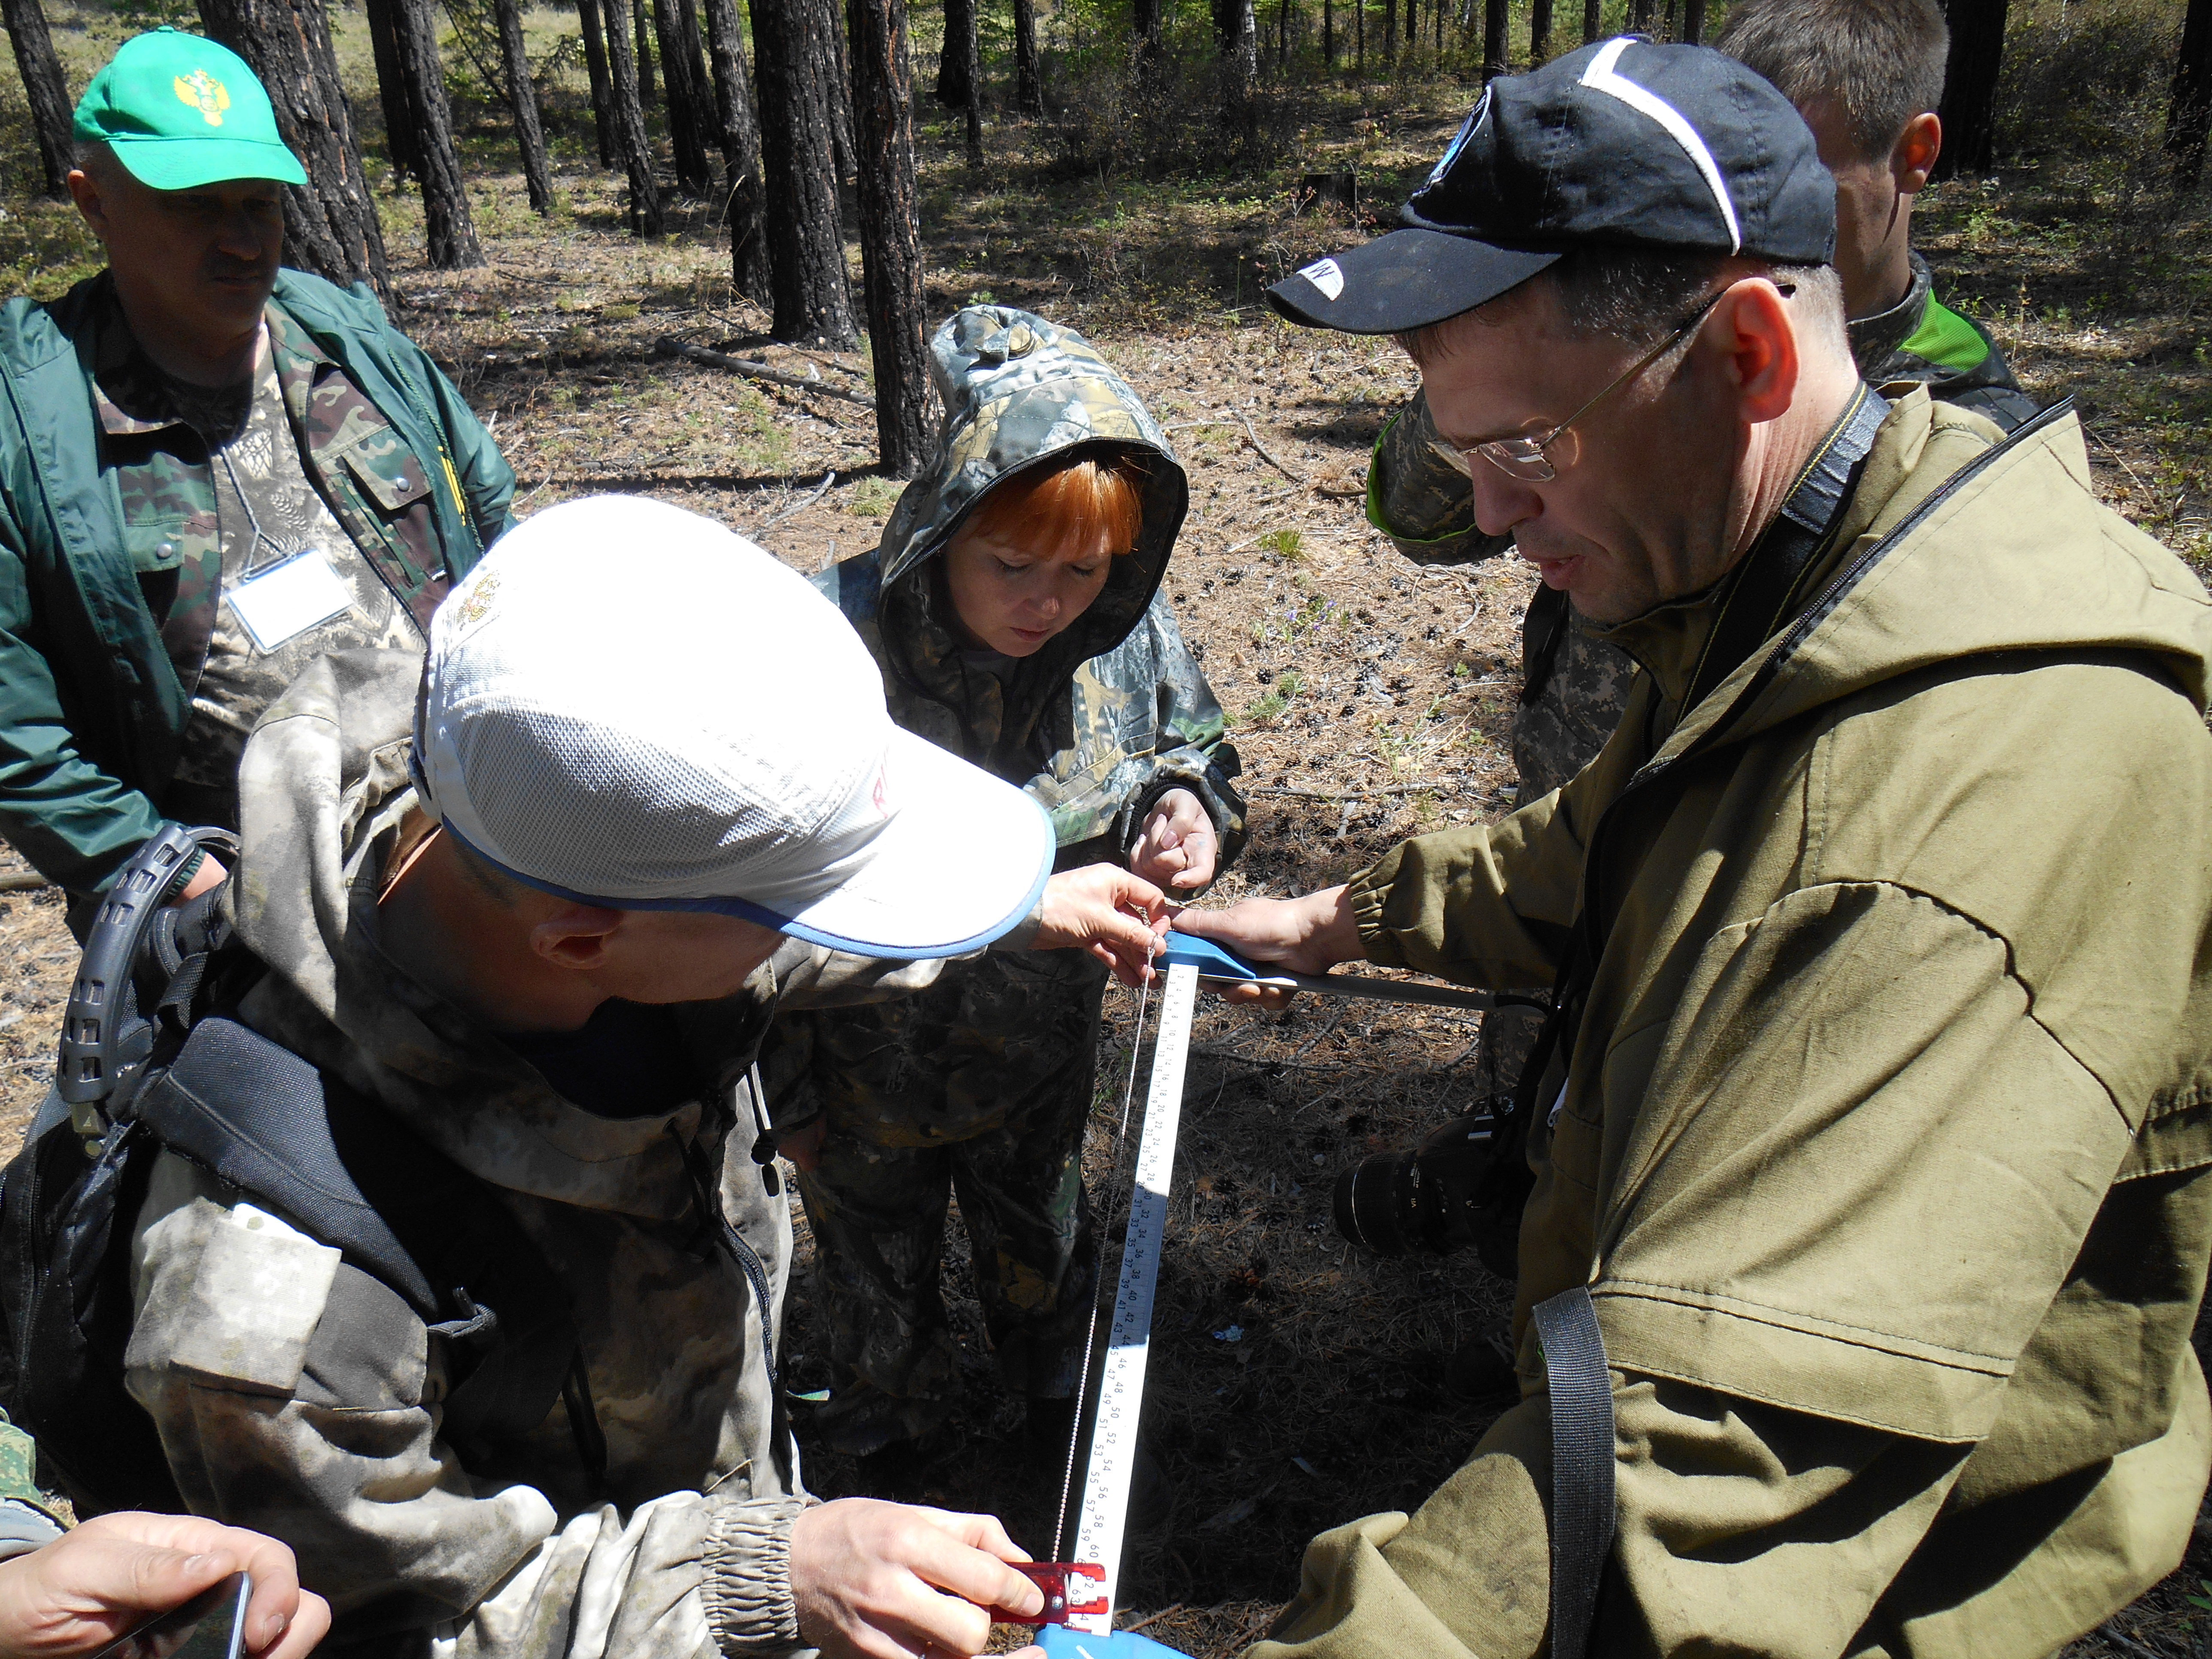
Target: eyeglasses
[{"x": 1526, "y": 458}]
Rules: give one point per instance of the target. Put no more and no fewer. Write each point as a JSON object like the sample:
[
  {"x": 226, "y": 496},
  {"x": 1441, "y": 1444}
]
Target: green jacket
[
  {"x": 91, "y": 710},
  {"x": 1889, "y": 1106},
  {"x": 1113, "y": 713}
]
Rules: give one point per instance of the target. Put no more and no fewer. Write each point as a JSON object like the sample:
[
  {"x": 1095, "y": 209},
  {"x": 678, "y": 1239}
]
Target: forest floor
[{"x": 1296, "y": 1383}]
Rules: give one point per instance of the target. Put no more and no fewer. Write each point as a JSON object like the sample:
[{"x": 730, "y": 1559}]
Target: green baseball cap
[{"x": 180, "y": 111}]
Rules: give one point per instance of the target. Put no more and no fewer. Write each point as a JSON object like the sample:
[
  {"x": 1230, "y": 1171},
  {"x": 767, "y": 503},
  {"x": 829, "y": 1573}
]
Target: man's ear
[
  {"x": 1912, "y": 157},
  {"x": 84, "y": 191},
  {"x": 576, "y": 936},
  {"x": 1753, "y": 326}
]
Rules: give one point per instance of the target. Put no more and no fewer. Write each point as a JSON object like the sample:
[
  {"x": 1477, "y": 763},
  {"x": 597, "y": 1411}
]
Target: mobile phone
[{"x": 211, "y": 1625}]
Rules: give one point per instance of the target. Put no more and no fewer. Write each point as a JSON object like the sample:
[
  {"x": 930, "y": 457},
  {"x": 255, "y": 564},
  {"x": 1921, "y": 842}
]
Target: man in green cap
[{"x": 212, "y": 471}]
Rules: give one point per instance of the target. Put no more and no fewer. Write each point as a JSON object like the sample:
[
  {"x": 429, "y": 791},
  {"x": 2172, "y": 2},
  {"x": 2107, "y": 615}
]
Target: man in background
[{"x": 212, "y": 471}]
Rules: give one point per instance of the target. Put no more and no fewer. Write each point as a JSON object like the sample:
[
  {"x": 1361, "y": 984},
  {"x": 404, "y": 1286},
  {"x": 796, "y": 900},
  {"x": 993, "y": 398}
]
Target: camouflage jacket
[
  {"x": 1417, "y": 489},
  {"x": 109, "y": 561},
  {"x": 1110, "y": 714},
  {"x": 315, "y": 1413}
]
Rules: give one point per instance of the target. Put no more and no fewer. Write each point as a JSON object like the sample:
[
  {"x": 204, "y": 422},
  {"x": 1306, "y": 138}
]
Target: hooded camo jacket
[
  {"x": 296, "y": 1395},
  {"x": 1110, "y": 714},
  {"x": 1883, "y": 1144}
]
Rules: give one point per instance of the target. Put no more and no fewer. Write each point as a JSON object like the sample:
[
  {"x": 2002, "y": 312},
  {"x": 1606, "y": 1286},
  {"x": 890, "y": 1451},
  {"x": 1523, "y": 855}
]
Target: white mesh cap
[{"x": 629, "y": 705}]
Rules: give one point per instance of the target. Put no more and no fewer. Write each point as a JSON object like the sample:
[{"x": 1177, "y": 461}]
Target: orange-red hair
[{"x": 1087, "y": 501}]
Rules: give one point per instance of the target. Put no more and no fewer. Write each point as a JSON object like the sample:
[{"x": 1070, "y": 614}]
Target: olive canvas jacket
[
  {"x": 1883, "y": 1142},
  {"x": 91, "y": 710}
]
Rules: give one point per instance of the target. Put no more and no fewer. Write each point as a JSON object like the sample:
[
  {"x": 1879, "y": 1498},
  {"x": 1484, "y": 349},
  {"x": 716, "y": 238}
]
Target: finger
[
  {"x": 978, "y": 1531},
  {"x": 978, "y": 1576},
  {"x": 925, "y": 1619},
  {"x": 276, "y": 1591},
  {"x": 310, "y": 1623}
]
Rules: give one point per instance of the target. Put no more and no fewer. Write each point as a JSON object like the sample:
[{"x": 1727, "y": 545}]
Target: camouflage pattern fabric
[
  {"x": 19, "y": 1467},
  {"x": 321, "y": 467},
  {"x": 1968, "y": 371},
  {"x": 317, "y": 1415},
  {"x": 986, "y": 1083},
  {"x": 983, "y": 1081}
]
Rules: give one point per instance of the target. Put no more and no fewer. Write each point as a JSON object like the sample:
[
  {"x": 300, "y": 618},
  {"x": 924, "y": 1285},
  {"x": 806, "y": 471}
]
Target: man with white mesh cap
[{"x": 531, "y": 909}]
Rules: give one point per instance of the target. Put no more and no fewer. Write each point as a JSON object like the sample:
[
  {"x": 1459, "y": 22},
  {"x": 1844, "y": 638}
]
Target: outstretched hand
[
  {"x": 90, "y": 1586},
  {"x": 1116, "y": 916},
  {"x": 896, "y": 1581},
  {"x": 1178, "y": 847},
  {"x": 1309, "y": 935}
]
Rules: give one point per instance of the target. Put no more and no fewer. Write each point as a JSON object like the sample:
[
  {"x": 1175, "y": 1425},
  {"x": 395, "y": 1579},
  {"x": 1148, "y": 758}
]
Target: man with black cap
[{"x": 1868, "y": 1217}]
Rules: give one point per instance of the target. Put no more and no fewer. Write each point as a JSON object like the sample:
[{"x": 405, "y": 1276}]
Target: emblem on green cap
[
  {"x": 180, "y": 111},
  {"x": 204, "y": 93}
]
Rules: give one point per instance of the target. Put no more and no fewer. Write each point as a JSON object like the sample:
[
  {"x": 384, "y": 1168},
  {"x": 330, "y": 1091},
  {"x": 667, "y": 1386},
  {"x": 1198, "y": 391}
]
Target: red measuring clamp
[{"x": 1056, "y": 1579}]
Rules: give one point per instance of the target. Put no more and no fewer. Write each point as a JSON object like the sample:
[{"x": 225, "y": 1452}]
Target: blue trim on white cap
[{"x": 746, "y": 910}]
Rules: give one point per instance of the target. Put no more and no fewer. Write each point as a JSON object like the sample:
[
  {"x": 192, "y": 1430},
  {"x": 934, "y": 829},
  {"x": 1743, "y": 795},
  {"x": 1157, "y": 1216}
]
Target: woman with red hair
[{"x": 1014, "y": 605}]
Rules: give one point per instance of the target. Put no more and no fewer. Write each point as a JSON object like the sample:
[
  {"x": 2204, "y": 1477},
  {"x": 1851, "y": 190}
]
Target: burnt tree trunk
[
  {"x": 840, "y": 80},
  {"x": 447, "y": 226},
  {"x": 400, "y": 142},
  {"x": 44, "y": 85},
  {"x": 595, "y": 63},
  {"x": 1592, "y": 20},
  {"x": 522, "y": 98},
  {"x": 810, "y": 301},
  {"x": 1029, "y": 84},
  {"x": 1145, "y": 29},
  {"x": 1359, "y": 36},
  {"x": 1970, "y": 86},
  {"x": 741, "y": 152},
  {"x": 685, "y": 75},
  {"x": 329, "y": 222},
  {"x": 1693, "y": 22},
  {"x": 1238, "y": 30},
  {"x": 1639, "y": 16},
  {"x": 2189, "y": 118},
  {"x": 890, "y": 233},
  {"x": 960, "y": 72},
  {"x": 1328, "y": 33},
  {"x": 1539, "y": 32},
  {"x": 1390, "y": 33},
  {"x": 1493, "y": 40},
  {"x": 631, "y": 143},
  {"x": 642, "y": 32}
]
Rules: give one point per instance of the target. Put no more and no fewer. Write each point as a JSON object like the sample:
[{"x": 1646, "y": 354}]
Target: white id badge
[{"x": 288, "y": 599}]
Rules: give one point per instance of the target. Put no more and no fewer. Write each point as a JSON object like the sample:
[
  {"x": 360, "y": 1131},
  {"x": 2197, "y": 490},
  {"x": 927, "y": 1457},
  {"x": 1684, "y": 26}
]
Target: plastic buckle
[{"x": 1055, "y": 1579}]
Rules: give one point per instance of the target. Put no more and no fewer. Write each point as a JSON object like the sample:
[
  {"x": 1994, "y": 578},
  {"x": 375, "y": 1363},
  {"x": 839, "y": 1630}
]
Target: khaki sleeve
[
  {"x": 1489, "y": 905},
  {"x": 296, "y": 1395},
  {"x": 1742, "y": 1528}
]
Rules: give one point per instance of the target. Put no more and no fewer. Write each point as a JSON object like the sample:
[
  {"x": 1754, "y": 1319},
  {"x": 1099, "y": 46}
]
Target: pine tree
[
  {"x": 448, "y": 227},
  {"x": 684, "y": 73},
  {"x": 890, "y": 233},
  {"x": 329, "y": 222},
  {"x": 746, "y": 209},
  {"x": 401, "y": 147},
  {"x": 1970, "y": 86},
  {"x": 1029, "y": 82},
  {"x": 630, "y": 142},
  {"x": 595, "y": 63},
  {"x": 44, "y": 86},
  {"x": 522, "y": 99},
  {"x": 793, "y": 60},
  {"x": 2189, "y": 118}
]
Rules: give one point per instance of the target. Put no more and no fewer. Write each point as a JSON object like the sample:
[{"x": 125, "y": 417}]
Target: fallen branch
[
  {"x": 670, "y": 346},
  {"x": 1352, "y": 794},
  {"x": 23, "y": 881},
  {"x": 820, "y": 490},
  {"x": 1258, "y": 448}
]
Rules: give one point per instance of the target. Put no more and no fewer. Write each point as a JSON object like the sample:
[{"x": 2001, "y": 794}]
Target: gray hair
[{"x": 1883, "y": 61}]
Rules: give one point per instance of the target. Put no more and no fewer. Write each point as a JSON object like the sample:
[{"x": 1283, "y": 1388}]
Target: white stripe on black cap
[{"x": 1600, "y": 76}]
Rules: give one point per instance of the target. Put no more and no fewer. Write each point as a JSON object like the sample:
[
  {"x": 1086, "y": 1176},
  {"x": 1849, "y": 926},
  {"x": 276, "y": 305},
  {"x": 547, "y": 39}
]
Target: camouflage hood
[{"x": 1019, "y": 391}]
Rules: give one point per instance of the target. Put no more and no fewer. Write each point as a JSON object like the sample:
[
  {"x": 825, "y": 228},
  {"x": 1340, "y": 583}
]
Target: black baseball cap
[{"x": 1623, "y": 144}]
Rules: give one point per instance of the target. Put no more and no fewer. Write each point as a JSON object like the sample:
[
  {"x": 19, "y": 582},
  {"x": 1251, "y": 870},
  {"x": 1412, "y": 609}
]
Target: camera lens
[{"x": 1422, "y": 1198}]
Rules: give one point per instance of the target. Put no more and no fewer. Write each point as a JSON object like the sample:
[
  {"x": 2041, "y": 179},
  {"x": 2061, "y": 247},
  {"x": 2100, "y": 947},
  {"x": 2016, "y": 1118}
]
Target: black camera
[{"x": 1463, "y": 1185}]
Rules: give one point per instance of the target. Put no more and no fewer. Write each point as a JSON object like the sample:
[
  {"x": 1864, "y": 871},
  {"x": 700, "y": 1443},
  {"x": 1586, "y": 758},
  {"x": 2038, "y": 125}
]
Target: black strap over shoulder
[{"x": 1581, "y": 1463}]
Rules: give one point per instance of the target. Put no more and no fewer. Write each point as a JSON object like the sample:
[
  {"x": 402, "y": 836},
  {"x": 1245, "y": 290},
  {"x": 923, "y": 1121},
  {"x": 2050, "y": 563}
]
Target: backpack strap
[{"x": 1581, "y": 1463}]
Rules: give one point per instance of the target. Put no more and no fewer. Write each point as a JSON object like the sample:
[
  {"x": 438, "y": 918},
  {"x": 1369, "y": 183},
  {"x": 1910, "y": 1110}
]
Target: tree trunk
[
  {"x": 1145, "y": 29},
  {"x": 1539, "y": 32},
  {"x": 685, "y": 76},
  {"x": 329, "y": 222},
  {"x": 595, "y": 61},
  {"x": 1593, "y": 20},
  {"x": 643, "y": 35},
  {"x": 842, "y": 151},
  {"x": 400, "y": 142},
  {"x": 1493, "y": 40},
  {"x": 1029, "y": 84},
  {"x": 1969, "y": 87},
  {"x": 449, "y": 230},
  {"x": 1693, "y": 22},
  {"x": 631, "y": 143},
  {"x": 1360, "y": 37},
  {"x": 741, "y": 152},
  {"x": 807, "y": 249},
  {"x": 951, "y": 89},
  {"x": 890, "y": 233},
  {"x": 2189, "y": 118},
  {"x": 522, "y": 97},
  {"x": 1639, "y": 16},
  {"x": 43, "y": 84},
  {"x": 1328, "y": 33}
]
